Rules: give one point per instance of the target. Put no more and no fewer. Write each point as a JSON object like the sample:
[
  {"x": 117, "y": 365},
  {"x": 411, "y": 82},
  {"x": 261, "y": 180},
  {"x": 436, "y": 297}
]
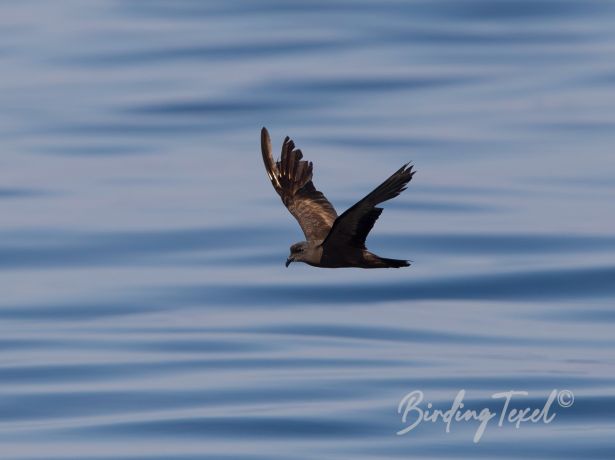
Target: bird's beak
[{"x": 288, "y": 261}]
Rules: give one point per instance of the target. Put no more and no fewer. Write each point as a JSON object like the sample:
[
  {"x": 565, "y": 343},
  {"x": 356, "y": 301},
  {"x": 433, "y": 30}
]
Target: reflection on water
[{"x": 146, "y": 311}]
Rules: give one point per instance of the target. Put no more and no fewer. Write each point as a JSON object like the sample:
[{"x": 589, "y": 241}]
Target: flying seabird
[{"x": 332, "y": 241}]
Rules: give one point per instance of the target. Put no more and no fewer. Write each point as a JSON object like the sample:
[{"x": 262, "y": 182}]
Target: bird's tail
[
  {"x": 393, "y": 263},
  {"x": 375, "y": 261}
]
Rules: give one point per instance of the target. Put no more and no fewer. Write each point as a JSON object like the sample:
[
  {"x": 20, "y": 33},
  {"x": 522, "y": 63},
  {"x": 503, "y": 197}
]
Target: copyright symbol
[{"x": 565, "y": 398}]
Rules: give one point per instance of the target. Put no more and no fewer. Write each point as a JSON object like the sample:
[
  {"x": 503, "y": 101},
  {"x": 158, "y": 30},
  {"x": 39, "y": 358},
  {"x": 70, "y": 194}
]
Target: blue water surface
[{"x": 146, "y": 312}]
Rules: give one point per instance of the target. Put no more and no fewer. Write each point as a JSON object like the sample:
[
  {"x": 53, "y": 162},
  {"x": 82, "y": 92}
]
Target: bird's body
[{"x": 332, "y": 241}]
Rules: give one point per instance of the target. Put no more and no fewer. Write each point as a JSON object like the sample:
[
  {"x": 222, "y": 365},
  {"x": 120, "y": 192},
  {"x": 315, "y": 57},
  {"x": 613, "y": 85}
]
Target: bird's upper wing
[
  {"x": 352, "y": 227},
  {"x": 292, "y": 179}
]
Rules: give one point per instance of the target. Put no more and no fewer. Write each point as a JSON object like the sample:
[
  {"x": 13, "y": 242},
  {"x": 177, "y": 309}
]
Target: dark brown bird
[{"x": 332, "y": 241}]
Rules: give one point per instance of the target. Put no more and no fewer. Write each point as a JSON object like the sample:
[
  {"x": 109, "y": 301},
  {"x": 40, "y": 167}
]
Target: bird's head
[{"x": 298, "y": 253}]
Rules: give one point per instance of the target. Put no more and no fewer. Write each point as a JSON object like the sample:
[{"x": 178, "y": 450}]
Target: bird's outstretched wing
[
  {"x": 352, "y": 227},
  {"x": 292, "y": 179}
]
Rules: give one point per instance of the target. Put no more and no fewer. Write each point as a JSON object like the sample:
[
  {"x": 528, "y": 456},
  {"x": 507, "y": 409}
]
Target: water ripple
[
  {"x": 146, "y": 313},
  {"x": 548, "y": 285}
]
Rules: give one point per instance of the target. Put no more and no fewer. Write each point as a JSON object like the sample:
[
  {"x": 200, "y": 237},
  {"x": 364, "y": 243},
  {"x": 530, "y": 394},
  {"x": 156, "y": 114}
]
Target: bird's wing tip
[
  {"x": 409, "y": 169},
  {"x": 270, "y": 165}
]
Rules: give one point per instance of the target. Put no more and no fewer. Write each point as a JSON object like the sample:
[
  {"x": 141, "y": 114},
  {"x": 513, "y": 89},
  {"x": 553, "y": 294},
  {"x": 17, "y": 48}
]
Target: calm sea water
[{"x": 146, "y": 312}]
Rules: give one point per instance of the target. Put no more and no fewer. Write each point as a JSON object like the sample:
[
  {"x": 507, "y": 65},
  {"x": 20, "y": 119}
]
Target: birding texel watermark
[{"x": 506, "y": 411}]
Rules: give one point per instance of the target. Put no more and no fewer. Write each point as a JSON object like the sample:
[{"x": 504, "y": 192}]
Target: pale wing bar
[{"x": 292, "y": 179}]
